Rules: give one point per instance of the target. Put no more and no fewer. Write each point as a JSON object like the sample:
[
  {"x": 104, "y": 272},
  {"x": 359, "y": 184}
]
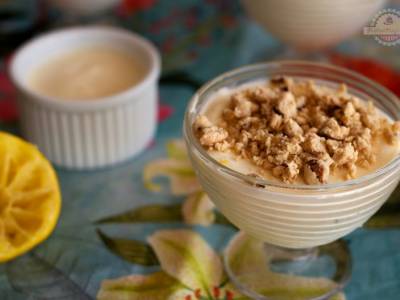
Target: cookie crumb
[{"x": 298, "y": 130}]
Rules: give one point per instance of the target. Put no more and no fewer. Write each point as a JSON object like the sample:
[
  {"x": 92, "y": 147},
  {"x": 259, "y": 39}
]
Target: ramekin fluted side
[
  {"x": 87, "y": 134},
  {"x": 93, "y": 138}
]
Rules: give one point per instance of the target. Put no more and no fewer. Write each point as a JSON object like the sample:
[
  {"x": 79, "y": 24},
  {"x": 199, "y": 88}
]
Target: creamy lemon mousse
[
  {"x": 296, "y": 132},
  {"x": 87, "y": 73}
]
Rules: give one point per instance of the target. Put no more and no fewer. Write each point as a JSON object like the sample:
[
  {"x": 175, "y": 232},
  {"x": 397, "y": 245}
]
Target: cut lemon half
[{"x": 30, "y": 199}]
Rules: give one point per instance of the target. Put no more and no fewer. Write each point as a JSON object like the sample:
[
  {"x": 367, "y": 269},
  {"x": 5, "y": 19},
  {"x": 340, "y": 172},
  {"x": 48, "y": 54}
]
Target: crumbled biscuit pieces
[
  {"x": 213, "y": 136},
  {"x": 286, "y": 105},
  {"x": 298, "y": 129}
]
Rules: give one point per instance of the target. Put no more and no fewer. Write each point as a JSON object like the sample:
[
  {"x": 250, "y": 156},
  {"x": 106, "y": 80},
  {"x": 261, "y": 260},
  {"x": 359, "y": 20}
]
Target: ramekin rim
[{"x": 152, "y": 74}]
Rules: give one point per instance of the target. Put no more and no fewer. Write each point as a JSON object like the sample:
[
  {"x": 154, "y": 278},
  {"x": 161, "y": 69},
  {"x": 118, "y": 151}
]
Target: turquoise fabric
[{"x": 75, "y": 250}]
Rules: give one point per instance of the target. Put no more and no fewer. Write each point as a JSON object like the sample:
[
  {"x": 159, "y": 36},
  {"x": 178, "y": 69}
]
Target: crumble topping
[{"x": 298, "y": 129}]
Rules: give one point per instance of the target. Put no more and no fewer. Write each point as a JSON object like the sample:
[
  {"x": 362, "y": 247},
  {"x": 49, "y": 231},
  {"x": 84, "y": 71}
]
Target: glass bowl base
[{"x": 269, "y": 272}]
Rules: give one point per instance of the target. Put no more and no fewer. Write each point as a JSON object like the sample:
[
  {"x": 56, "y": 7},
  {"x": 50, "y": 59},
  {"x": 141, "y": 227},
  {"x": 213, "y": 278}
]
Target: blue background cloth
[{"x": 74, "y": 248}]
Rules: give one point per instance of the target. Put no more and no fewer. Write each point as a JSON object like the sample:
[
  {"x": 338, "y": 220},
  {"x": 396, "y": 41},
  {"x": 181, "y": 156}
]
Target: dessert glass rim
[
  {"x": 152, "y": 72},
  {"x": 193, "y": 141}
]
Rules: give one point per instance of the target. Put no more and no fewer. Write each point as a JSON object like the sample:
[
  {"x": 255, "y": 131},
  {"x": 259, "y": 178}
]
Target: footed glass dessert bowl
[{"x": 300, "y": 224}]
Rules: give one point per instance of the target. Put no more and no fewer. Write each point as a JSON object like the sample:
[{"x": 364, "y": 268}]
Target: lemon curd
[{"x": 87, "y": 73}]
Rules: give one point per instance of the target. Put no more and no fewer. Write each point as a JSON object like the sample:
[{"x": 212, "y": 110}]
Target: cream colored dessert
[
  {"x": 87, "y": 73},
  {"x": 297, "y": 132}
]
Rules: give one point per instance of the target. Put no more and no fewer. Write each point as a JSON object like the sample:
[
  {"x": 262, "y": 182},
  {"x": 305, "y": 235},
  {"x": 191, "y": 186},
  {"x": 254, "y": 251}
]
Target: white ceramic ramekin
[
  {"x": 88, "y": 134},
  {"x": 293, "y": 216}
]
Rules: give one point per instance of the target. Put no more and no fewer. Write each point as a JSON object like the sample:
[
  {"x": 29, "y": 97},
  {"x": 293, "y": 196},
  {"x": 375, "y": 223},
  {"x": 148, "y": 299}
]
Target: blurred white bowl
[{"x": 312, "y": 24}]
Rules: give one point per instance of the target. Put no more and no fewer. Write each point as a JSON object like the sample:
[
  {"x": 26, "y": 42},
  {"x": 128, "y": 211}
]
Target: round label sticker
[{"x": 385, "y": 27}]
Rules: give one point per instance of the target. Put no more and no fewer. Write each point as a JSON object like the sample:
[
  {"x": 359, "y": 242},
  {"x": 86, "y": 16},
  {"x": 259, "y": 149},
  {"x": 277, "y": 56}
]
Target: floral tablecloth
[{"x": 111, "y": 219}]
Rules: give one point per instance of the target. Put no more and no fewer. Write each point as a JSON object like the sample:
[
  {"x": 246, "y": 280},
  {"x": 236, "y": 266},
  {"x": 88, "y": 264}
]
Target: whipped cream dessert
[{"x": 297, "y": 132}]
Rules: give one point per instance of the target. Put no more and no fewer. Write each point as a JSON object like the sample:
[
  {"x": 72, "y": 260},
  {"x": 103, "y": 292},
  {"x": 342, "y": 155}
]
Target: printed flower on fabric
[
  {"x": 191, "y": 270},
  {"x": 131, "y": 6},
  {"x": 176, "y": 167},
  {"x": 8, "y": 110},
  {"x": 197, "y": 209}
]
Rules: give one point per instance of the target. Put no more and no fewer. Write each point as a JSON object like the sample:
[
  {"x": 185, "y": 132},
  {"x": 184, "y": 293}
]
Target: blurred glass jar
[{"x": 313, "y": 24}]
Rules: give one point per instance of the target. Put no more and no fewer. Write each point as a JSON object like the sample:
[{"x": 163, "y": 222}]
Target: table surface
[{"x": 75, "y": 248}]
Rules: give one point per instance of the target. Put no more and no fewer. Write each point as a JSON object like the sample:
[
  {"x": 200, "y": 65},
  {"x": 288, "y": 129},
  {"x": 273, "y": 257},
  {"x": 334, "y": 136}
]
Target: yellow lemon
[{"x": 30, "y": 199}]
